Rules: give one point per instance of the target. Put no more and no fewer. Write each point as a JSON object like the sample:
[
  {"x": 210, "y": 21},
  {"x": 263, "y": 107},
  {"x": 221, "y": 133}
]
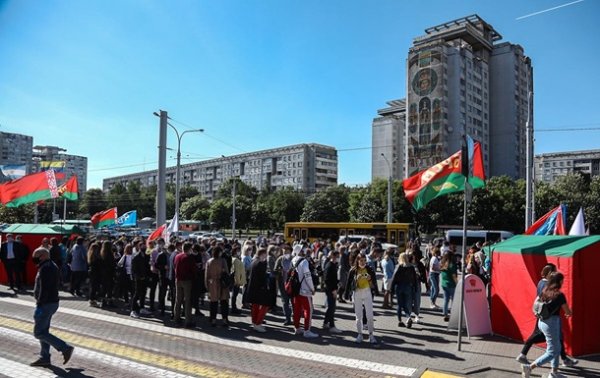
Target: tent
[
  {"x": 32, "y": 235},
  {"x": 516, "y": 269}
]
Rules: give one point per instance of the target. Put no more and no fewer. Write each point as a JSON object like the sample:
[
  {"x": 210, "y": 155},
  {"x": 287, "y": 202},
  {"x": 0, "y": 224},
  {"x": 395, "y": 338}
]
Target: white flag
[
  {"x": 173, "y": 227},
  {"x": 578, "y": 227}
]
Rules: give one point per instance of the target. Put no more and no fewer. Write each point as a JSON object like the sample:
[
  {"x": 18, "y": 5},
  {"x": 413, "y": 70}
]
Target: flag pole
[{"x": 462, "y": 262}]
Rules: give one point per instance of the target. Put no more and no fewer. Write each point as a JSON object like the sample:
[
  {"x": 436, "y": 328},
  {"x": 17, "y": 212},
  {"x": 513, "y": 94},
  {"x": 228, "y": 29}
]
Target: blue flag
[{"x": 129, "y": 219}]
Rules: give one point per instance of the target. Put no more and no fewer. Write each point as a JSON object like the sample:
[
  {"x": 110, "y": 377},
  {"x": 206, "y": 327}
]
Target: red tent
[
  {"x": 516, "y": 269},
  {"x": 32, "y": 235}
]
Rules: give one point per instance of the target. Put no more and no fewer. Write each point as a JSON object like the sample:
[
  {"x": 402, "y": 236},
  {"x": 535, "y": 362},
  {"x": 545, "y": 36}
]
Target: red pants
[
  {"x": 302, "y": 306},
  {"x": 258, "y": 313}
]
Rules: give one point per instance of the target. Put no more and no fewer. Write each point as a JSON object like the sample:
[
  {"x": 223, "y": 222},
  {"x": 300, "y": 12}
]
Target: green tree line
[{"x": 500, "y": 205}]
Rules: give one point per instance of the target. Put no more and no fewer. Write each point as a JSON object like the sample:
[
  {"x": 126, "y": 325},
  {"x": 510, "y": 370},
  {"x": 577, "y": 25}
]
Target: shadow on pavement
[{"x": 69, "y": 372}]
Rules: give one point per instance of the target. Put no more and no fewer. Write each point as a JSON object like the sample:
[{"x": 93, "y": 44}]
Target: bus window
[
  {"x": 296, "y": 233},
  {"x": 342, "y": 232},
  {"x": 401, "y": 239},
  {"x": 392, "y": 237},
  {"x": 304, "y": 234},
  {"x": 350, "y": 232}
]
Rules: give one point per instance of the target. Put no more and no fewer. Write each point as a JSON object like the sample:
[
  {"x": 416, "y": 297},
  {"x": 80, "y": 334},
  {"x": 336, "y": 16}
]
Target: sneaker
[
  {"x": 93, "y": 304},
  {"x": 359, "y": 339},
  {"x": 310, "y": 335},
  {"x": 299, "y": 331},
  {"x": 326, "y": 326},
  {"x": 67, "y": 353},
  {"x": 409, "y": 323},
  {"x": 373, "y": 340},
  {"x": 401, "y": 324},
  {"x": 416, "y": 321},
  {"x": 40, "y": 362},
  {"x": 260, "y": 328},
  {"x": 434, "y": 306},
  {"x": 446, "y": 318},
  {"x": 134, "y": 315},
  {"x": 569, "y": 362},
  {"x": 525, "y": 371},
  {"x": 145, "y": 312},
  {"x": 335, "y": 330},
  {"x": 287, "y": 323},
  {"x": 522, "y": 359}
]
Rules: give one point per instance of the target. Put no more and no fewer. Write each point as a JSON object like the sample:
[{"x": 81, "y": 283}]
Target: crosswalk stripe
[
  {"x": 15, "y": 369},
  {"x": 200, "y": 336}
]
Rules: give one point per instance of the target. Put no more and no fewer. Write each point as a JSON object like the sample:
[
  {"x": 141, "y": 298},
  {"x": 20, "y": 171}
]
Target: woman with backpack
[
  {"x": 361, "y": 283},
  {"x": 554, "y": 300}
]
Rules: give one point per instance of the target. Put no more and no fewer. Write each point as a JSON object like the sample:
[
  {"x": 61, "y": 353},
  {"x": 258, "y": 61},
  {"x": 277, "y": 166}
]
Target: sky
[{"x": 88, "y": 75}]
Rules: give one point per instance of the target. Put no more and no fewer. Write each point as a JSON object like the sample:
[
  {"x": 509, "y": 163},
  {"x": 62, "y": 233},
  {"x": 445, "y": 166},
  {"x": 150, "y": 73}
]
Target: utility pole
[
  {"x": 161, "y": 188},
  {"x": 390, "y": 213},
  {"x": 529, "y": 164},
  {"x": 233, "y": 209}
]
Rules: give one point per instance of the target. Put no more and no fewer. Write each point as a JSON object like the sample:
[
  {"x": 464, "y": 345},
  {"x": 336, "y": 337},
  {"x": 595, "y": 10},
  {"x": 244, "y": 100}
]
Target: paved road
[{"x": 111, "y": 344}]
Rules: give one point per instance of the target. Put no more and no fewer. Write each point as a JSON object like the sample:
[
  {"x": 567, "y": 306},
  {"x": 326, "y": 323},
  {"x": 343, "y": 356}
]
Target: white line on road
[
  {"x": 200, "y": 336},
  {"x": 18, "y": 370}
]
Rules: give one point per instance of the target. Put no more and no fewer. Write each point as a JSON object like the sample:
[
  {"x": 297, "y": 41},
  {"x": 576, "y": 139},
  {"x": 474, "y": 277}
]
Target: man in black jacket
[
  {"x": 331, "y": 285},
  {"x": 140, "y": 270},
  {"x": 11, "y": 255},
  {"x": 45, "y": 293}
]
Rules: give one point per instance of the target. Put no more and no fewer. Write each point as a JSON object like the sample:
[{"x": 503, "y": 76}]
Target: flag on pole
[
  {"x": 157, "y": 233},
  {"x": 29, "y": 189},
  {"x": 578, "y": 227},
  {"x": 13, "y": 171},
  {"x": 57, "y": 166},
  {"x": 553, "y": 222},
  {"x": 173, "y": 227},
  {"x": 70, "y": 189},
  {"x": 446, "y": 177},
  {"x": 105, "y": 218},
  {"x": 129, "y": 219}
]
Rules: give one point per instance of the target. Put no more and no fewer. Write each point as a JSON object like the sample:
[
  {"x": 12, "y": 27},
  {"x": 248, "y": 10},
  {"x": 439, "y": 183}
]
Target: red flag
[
  {"x": 29, "y": 189},
  {"x": 158, "y": 233},
  {"x": 70, "y": 189},
  {"x": 105, "y": 218}
]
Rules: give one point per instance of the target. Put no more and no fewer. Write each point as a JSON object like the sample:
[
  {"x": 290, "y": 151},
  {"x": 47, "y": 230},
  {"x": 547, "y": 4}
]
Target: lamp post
[
  {"x": 178, "y": 171},
  {"x": 389, "y": 204}
]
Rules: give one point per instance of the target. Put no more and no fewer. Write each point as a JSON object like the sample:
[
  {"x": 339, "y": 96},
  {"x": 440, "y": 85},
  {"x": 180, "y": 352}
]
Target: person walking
[
  {"x": 124, "y": 273},
  {"x": 303, "y": 302},
  {"x": 388, "y": 267},
  {"x": 239, "y": 278},
  {"x": 361, "y": 279},
  {"x": 434, "y": 277},
  {"x": 282, "y": 268},
  {"x": 185, "y": 271},
  {"x": 45, "y": 293},
  {"x": 555, "y": 301},
  {"x": 79, "y": 266},
  {"x": 162, "y": 269},
  {"x": 343, "y": 269},
  {"x": 217, "y": 283},
  {"x": 259, "y": 293},
  {"x": 404, "y": 281},
  {"x": 330, "y": 278},
  {"x": 140, "y": 270},
  {"x": 449, "y": 278},
  {"x": 95, "y": 273},
  {"x": 107, "y": 272}
]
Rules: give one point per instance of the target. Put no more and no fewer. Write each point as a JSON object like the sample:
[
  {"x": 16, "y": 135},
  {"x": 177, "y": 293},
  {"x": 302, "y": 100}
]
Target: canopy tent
[
  {"x": 32, "y": 235},
  {"x": 516, "y": 267}
]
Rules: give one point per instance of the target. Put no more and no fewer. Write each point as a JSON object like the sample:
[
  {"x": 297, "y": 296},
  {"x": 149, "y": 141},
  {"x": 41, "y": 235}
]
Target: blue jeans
[
  {"x": 448, "y": 295},
  {"x": 417, "y": 299},
  {"x": 434, "y": 284},
  {"x": 285, "y": 303},
  {"x": 551, "y": 329},
  {"x": 41, "y": 330},
  {"x": 404, "y": 298}
]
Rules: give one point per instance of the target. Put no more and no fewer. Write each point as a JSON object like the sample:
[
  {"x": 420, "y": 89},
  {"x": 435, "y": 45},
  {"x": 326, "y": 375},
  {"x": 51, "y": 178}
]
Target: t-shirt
[
  {"x": 447, "y": 276},
  {"x": 541, "y": 285},
  {"x": 434, "y": 264},
  {"x": 555, "y": 305},
  {"x": 362, "y": 279}
]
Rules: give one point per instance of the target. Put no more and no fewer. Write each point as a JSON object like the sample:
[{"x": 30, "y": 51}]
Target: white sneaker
[
  {"x": 416, "y": 321},
  {"x": 525, "y": 371},
  {"x": 260, "y": 328},
  {"x": 359, "y": 339},
  {"x": 335, "y": 330},
  {"x": 134, "y": 315},
  {"x": 299, "y": 331},
  {"x": 310, "y": 335},
  {"x": 372, "y": 339}
]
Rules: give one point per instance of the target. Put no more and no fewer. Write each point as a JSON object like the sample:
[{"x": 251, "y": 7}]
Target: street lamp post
[
  {"x": 178, "y": 171},
  {"x": 390, "y": 178}
]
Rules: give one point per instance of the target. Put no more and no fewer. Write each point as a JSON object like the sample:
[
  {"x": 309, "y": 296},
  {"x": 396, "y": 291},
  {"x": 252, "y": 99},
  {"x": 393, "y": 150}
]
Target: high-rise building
[
  {"x": 306, "y": 167},
  {"x": 459, "y": 81},
  {"x": 388, "y": 140},
  {"x": 15, "y": 150},
  {"x": 550, "y": 166},
  {"x": 52, "y": 156}
]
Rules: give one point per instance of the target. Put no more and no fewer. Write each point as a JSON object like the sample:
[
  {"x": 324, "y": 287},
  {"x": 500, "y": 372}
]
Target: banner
[
  {"x": 476, "y": 311},
  {"x": 129, "y": 219}
]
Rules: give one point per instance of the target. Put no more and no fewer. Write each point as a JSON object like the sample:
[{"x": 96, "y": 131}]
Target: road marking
[
  {"x": 435, "y": 374},
  {"x": 18, "y": 370},
  {"x": 200, "y": 336},
  {"x": 88, "y": 346}
]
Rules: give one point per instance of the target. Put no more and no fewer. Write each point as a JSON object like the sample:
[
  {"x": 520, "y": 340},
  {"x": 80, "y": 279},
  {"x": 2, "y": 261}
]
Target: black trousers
[
  {"x": 152, "y": 284},
  {"x": 224, "y": 309},
  {"x": 139, "y": 294},
  {"x": 13, "y": 272},
  {"x": 330, "y": 312},
  {"x": 537, "y": 336},
  {"x": 77, "y": 279}
]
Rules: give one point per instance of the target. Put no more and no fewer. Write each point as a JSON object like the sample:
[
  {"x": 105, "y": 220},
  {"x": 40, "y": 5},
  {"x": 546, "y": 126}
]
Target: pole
[
  {"x": 177, "y": 176},
  {"x": 161, "y": 188},
  {"x": 529, "y": 163},
  {"x": 64, "y": 211},
  {"x": 462, "y": 260},
  {"x": 233, "y": 209},
  {"x": 390, "y": 213},
  {"x": 36, "y": 214}
]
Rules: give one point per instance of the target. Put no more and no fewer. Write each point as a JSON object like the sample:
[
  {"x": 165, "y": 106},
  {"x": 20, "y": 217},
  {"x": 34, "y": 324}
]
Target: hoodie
[{"x": 304, "y": 275}]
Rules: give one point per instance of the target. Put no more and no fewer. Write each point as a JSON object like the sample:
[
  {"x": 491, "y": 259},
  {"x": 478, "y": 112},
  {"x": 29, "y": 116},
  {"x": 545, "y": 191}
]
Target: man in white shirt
[{"x": 303, "y": 302}]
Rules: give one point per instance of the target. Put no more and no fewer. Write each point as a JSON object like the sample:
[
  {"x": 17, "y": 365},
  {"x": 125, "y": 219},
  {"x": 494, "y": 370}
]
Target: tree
[
  {"x": 93, "y": 201},
  {"x": 592, "y": 208},
  {"x": 330, "y": 205},
  {"x": 195, "y": 208},
  {"x": 21, "y": 214},
  {"x": 220, "y": 213},
  {"x": 285, "y": 205}
]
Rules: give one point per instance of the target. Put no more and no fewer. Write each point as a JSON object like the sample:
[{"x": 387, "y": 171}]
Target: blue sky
[{"x": 87, "y": 75}]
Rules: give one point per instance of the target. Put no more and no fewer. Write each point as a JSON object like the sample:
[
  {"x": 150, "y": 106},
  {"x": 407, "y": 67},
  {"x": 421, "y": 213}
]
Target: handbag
[{"x": 226, "y": 278}]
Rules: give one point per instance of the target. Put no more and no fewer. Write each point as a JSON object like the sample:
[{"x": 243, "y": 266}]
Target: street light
[
  {"x": 389, "y": 204},
  {"x": 177, "y": 175}
]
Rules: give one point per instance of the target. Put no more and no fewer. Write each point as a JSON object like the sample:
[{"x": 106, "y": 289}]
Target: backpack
[
  {"x": 293, "y": 282},
  {"x": 540, "y": 309}
]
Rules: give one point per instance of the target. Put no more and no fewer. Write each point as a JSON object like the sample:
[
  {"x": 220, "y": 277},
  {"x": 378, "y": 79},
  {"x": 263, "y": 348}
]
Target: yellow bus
[{"x": 393, "y": 233}]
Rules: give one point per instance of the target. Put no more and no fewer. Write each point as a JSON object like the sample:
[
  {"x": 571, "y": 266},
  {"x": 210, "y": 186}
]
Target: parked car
[{"x": 213, "y": 235}]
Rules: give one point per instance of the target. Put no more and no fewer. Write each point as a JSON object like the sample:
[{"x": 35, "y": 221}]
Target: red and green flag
[
  {"x": 29, "y": 189},
  {"x": 446, "y": 177},
  {"x": 105, "y": 218},
  {"x": 70, "y": 189}
]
